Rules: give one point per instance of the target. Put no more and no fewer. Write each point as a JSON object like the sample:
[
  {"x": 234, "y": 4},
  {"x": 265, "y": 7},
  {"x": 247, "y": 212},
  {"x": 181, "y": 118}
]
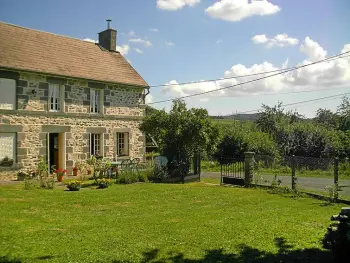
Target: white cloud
[
  {"x": 138, "y": 50},
  {"x": 313, "y": 50},
  {"x": 173, "y": 5},
  {"x": 155, "y": 30},
  {"x": 90, "y": 40},
  {"x": 169, "y": 43},
  {"x": 335, "y": 73},
  {"x": 281, "y": 40},
  {"x": 132, "y": 33},
  {"x": 144, "y": 42},
  {"x": 237, "y": 10},
  {"x": 124, "y": 49}
]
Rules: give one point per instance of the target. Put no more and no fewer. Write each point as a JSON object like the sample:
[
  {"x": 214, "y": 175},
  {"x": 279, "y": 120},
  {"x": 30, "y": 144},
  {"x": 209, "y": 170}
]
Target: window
[
  {"x": 7, "y": 145},
  {"x": 122, "y": 143},
  {"x": 8, "y": 94},
  {"x": 95, "y": 101},
  {"x": 95, "y": 144},
  {"x": 54, "y": 97}
]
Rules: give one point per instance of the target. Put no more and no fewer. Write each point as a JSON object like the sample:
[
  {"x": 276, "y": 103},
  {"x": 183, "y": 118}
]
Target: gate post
[
  {"x": 248, "y": 168},
  {"x": 294, "y": 188}
]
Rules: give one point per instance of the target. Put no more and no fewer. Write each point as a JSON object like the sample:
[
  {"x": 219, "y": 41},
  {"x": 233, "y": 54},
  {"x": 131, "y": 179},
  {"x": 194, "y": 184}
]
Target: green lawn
[{"x": 160, "y": 223}]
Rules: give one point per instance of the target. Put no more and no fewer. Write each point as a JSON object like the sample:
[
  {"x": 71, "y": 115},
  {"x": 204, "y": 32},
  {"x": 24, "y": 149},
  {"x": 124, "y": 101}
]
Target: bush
[
  {"x": 74, "y": 185},
  {"x": 127, "y": 177}
]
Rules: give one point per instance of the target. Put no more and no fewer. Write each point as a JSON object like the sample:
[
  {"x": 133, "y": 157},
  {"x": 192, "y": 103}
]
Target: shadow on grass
[
  {"x": 7, "y": 259},
  {"x": 246, "y": 254}
]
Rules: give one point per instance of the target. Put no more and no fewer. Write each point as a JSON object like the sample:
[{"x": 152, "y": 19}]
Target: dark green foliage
[
  {"x": 182, "y": 131},
  {"x": 241, "y": 137}
]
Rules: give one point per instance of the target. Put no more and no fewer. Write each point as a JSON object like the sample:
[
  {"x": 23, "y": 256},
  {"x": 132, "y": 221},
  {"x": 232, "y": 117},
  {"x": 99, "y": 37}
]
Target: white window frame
[
  {"x": 3, "y": 146},
  {"x": 9, "y": 85},
  {"x": 96, "y": 101},
  {"x": 122, "y": 143},
  {"x": 96, "y": 144},
  {"x": 55, "y": 97}
]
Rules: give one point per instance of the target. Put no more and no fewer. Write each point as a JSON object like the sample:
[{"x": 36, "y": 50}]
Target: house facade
[{"x": 65, "y": 100}]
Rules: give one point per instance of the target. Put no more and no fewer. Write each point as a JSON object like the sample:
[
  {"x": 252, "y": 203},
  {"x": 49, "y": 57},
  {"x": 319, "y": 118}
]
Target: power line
[
  {"x": 254, "y": 80},
  {"x": 235, "y": 77},
  {"x": 295, "y": 103}
]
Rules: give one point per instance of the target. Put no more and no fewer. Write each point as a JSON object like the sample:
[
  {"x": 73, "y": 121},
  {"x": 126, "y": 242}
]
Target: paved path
[{"x": 312, "y": 183}]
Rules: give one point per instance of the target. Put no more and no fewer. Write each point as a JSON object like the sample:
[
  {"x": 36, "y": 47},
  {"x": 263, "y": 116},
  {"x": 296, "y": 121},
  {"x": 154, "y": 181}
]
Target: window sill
[{"x": 15, "y": 166}]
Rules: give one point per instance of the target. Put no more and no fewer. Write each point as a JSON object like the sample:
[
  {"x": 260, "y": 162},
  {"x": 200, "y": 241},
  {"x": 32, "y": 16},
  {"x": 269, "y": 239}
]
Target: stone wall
[
  {"x": 32, "y": 139},
  {"x": 122, "y": 112},
  {"x": 33, "y": 89}
]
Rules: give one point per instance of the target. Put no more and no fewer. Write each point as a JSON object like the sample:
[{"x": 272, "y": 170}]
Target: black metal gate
[{"x": 232, "y": 171}]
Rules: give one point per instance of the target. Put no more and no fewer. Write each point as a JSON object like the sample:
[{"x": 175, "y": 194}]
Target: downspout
[{"x": 144, "y": 96}]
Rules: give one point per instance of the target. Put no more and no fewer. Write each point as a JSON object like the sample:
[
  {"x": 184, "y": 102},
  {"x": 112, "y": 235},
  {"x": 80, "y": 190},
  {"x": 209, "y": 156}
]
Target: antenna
[{"x": 109, "y": 23}]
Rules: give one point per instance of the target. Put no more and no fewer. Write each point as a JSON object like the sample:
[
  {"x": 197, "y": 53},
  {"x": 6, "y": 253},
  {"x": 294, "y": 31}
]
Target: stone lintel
[
  {"x": 11, "y": 128},
  {"x": 55, "y": 128},
  {"x": 96, "y": 129}
]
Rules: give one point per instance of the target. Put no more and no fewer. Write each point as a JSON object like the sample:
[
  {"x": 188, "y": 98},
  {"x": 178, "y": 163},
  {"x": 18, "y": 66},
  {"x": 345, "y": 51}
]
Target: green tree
[
  {"x": 327, "y": 118},
  {"x": 182, "y": 131},
  {"x": 344, "y": 112}
]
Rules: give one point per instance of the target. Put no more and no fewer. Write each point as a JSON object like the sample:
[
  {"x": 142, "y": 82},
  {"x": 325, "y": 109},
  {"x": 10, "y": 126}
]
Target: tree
[
  {"x": 327, "y": 118},
  {"x": 182, "y": 131},
  {"x": 344, "y": 112},
  {"x": 272, "y": 118}
]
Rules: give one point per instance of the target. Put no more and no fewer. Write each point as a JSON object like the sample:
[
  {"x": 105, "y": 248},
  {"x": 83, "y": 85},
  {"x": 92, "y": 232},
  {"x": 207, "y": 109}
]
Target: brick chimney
[{"x": 108, "y": 38}]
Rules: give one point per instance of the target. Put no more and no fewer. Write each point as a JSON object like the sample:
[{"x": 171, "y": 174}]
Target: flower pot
[
  {"x": 60, "y": 178},
  {"x": 20, "y": 177},
  {"x": 75, "y": 172}
]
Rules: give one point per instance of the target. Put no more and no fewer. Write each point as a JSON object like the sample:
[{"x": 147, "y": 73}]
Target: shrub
[
  {"x": 74, "y": 185},
  {"x": 127, "y": 177},
  {"x": 103, "y": 183}
]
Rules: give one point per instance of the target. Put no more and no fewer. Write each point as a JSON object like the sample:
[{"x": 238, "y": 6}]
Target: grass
[{"x": 165, "y": 223}]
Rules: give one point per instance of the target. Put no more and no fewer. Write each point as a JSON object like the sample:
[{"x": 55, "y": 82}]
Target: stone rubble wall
[{"x": 32, "y": 98}]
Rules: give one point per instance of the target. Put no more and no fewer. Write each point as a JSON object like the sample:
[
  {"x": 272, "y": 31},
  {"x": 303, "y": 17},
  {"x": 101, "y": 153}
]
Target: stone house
[{"x": 66, "y": 99}]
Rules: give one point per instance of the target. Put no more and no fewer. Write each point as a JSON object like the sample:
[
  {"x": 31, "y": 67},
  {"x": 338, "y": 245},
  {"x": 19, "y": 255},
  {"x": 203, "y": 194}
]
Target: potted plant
[
  {"x": 60, "y": 173},
  {"x": 22, "y": 174},
  {"x": 6, "y": 162},
  {"x": 103, "y": 183},
  {"x": 75, "y": 170},
  {"x": 74, "y": 185}
]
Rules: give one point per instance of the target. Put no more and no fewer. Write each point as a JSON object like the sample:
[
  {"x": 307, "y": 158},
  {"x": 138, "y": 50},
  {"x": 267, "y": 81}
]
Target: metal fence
[
  {"x": 232, "y": 171},
  {"x": 310, "y": 174}
]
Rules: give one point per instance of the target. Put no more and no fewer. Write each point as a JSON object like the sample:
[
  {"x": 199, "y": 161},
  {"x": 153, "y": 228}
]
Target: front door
[{"x": 53, "y": 147}]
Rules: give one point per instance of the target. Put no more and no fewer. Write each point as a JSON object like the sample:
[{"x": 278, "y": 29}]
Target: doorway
[{"x": 53, "y": 151}]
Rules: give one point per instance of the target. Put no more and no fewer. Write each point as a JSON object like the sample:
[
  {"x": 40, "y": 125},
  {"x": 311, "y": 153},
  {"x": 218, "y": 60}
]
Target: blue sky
[{"x": 203, "y": 39}]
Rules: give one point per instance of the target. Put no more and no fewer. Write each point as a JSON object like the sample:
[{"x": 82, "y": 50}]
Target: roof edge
[{"x": 41, "y": 31}]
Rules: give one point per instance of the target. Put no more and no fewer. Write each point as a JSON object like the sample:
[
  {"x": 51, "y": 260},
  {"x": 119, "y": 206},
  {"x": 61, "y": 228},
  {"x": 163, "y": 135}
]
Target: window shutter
[{"x": 7, "y": 145}]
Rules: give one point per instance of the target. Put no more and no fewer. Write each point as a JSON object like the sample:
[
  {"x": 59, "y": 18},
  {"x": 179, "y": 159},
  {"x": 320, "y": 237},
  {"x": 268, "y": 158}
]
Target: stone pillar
[
  {"x": 294, "y": 179},
  {"x": 248, "y": 168}
]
